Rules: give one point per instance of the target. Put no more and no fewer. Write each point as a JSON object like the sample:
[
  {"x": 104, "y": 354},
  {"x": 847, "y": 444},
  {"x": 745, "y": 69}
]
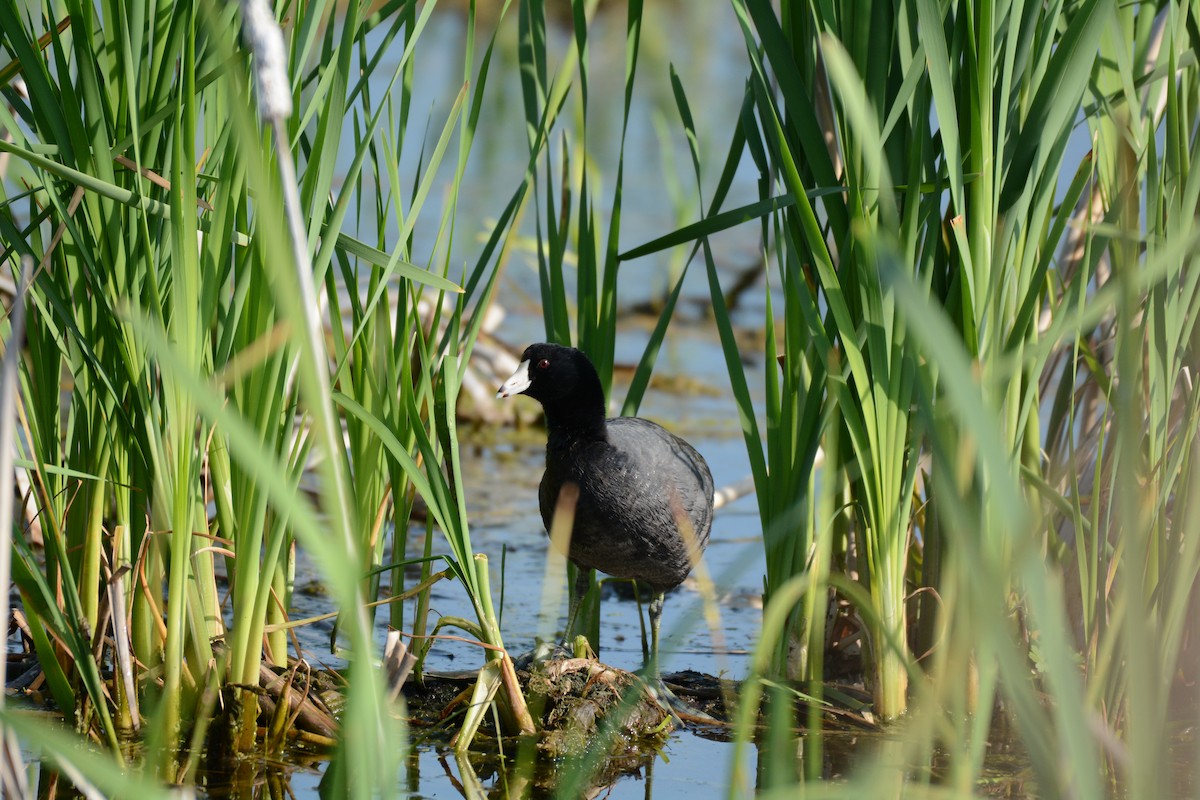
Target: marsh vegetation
[{"x": 240, "y": 341}]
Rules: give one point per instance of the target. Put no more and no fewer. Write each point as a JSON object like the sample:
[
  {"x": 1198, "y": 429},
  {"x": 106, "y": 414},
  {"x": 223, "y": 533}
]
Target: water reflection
[{"x": 695, "y": 770}]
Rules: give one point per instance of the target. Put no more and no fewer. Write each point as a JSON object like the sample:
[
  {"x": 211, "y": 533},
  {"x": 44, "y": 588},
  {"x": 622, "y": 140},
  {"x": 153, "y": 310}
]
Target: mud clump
[{"x": 581, "y": 702}]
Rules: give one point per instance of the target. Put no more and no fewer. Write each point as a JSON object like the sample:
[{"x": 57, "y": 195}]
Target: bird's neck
[
  {"x": 576, "y": 427},
  {"x": 580, "y": 414}
]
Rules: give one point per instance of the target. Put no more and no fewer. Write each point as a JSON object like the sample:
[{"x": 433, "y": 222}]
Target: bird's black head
[{"x": 563, "y": 380}]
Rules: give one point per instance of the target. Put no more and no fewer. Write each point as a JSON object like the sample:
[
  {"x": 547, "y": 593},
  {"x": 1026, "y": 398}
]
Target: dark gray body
[{"x": 635, "y": 488}]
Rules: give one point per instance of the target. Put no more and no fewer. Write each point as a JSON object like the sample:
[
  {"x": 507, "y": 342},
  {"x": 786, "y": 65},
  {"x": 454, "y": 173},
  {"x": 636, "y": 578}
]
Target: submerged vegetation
[{"x": 978, "y": 237}]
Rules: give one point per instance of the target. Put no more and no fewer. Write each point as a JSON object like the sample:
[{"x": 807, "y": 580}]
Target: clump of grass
[
  {"x": 1004, "y": 326},
  {"x": 166, "y": 289}
]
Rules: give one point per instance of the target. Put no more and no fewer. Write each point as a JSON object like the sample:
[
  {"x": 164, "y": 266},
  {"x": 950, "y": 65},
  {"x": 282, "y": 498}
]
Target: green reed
[
  {"x": 166, "y": 291},
  {"x": 1005, "y": 327},
  {"x": 866, "y": 172},
  {"x": 1015, "y": 312},
  {"x": 990, "y": 336}
]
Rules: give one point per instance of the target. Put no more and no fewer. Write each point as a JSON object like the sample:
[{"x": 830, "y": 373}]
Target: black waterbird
[{"x": 645, "y": 496}]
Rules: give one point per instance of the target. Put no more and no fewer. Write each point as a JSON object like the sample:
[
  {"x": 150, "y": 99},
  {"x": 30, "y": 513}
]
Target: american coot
[{"x": 645, "y": 496}]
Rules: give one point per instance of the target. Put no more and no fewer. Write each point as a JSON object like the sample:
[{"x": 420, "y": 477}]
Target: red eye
[{"x": 544, "y": 363}]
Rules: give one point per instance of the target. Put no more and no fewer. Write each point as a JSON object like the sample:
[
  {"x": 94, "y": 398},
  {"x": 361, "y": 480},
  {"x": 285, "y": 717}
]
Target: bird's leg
[
  {"x": 564, "y": 648},
  {"x": 656, "y": 607},
  {"x": 582, "y": 584},
  {"x": 678, "y": 708},
  {"x": 637, "y": 595}
]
